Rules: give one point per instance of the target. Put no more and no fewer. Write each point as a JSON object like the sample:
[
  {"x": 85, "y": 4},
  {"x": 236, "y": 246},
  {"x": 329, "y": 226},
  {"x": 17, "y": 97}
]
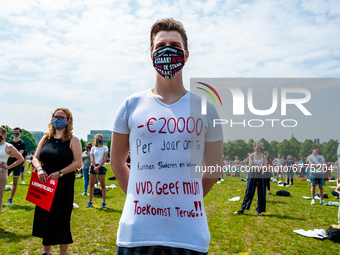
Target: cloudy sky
[{"x": 89, "y": 55}]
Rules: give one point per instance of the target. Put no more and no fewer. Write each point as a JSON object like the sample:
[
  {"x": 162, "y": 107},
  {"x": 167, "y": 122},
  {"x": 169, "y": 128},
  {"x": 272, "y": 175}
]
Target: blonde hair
[
  {"x": 69, "y": 128},
  {"x": 95, "y": 141},
  {"x": 255, "y": 143}
]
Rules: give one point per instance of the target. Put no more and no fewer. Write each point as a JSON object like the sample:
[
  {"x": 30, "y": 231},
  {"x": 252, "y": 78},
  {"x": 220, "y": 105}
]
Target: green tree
[
  {"x": 295, "y": 147},
  {"x": 330, "y": 151},
  {"x": 305, "y": 149},
  {"x": 240, "y": 150},
  {"x": 250, "y": 145},
  {"x": 285, "y": 149},
  {"x": 9, "y": 134},
  {"x": 108, "y": 144},
  {"x": 30, "y": 142},
  {"x": 224, "y": 149},
  {"x": 265, "y": 145},
  {"x": 83, "y": 144},
  {"x": 229, "y": 150},
  {"x": 273, "y": 151}
]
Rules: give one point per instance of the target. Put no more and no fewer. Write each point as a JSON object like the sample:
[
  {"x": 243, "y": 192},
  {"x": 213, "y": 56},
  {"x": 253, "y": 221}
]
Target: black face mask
[
  {"x": 16, "y": 134},
  {"x": 99, "y": 142},
  {"x": 88, "y": 148},
  {"x": 1, "y": 139},
  {"x": 168, "y": 61}
]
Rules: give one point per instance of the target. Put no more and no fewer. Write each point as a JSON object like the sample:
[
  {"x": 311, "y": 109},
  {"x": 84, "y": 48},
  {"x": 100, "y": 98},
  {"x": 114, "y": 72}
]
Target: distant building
[
  {"x": 105, "y": 133},
  {"x": 37, "y": 135}
]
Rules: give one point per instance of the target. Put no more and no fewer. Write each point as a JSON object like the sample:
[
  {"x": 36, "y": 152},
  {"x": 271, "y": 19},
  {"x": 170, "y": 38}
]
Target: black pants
[
  {"x": 267, "y": 183},
  {"x": 250, "y": 192}
]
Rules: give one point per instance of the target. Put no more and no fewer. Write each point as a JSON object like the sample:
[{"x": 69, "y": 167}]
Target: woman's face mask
[{"x": 59, "y": 124}]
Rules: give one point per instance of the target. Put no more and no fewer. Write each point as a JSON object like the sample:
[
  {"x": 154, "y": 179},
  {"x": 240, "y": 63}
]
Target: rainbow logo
[{"x": 209, "y": 93}]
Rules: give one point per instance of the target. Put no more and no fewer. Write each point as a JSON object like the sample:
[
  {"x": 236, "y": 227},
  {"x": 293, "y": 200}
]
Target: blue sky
[{"x": 89, "y": 55}]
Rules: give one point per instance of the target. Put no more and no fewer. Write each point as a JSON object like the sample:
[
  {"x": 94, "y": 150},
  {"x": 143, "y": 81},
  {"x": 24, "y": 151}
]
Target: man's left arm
[{"x": 213, "y": 155}]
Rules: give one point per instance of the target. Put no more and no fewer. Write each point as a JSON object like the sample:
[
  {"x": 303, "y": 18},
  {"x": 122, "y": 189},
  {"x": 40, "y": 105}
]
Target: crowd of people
[{"x": 166, "y": 107}]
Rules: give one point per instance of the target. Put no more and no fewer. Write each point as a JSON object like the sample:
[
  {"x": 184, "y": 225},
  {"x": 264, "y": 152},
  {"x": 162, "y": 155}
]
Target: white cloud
[{"x": 82, "y": 51}]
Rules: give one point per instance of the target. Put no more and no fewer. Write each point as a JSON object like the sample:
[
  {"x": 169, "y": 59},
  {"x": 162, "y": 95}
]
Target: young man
[
  {"x": 316, "y": 164},
  {"x": 20, "y": 146},
  {"x": 167, "y": 136}
]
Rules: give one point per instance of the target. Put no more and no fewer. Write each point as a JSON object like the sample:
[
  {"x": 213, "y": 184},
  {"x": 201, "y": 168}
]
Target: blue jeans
[
  {"x": 86, "y": 178},
  {"x": 307, "y": 173}
]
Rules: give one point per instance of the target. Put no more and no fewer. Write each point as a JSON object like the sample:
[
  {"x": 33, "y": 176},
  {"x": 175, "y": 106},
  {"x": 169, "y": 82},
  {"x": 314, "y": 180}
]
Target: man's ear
[{"x": 186, "y": 56}]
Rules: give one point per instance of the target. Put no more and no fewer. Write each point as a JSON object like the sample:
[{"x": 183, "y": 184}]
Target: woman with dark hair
[
  {"x": 6, "y": 150},
  {"x": 86, "y": 166},
  {"x": 98, "y": 157},
  {"x": 57, "y": 156},
  {"x": 256, "y": 163}
]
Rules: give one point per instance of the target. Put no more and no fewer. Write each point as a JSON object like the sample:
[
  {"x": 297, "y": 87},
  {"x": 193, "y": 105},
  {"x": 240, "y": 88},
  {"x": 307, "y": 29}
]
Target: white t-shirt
[
  {"x": 98, "y": 153},
  {"x": 318, "y": 171},
  {"x": 280, "y": 161},
  {"x": 164, "y": 202}
]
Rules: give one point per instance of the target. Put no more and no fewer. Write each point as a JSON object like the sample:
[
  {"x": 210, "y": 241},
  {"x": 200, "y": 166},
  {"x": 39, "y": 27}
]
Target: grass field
[{"x": 94, "y": 230}]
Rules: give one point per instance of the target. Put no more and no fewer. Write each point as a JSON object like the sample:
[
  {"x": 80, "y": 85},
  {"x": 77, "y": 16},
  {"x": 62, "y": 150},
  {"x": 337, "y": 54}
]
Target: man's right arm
[{"x": 118, "y": 156}]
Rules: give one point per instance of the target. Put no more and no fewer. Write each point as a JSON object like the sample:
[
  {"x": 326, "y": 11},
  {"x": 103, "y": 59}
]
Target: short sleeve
[
  {"x": 120, "y": 124},
  {"x": 106, "y": 149},
  {"x": 92, "y": 150},
  {"x": 213, "y": 134}
]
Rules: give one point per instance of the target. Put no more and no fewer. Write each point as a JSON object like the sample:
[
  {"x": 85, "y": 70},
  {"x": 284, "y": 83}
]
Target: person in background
[
  {"x": 20, "y": 146},
  {"x": 316, "y": 174},
  {"x": 30, "y": 158},
  {"x": 237, "y": 164},
  {"x": 301, "y": 164},
  {"x": 23, "y": 166},
  {"x": 269, "y": 173},
  {"x": 57, "y": 156},
  {"x": 6, "y": 149},
  {"x": 256, "y": 162},
  {"x": 282, "y": 162},
  {"x": 290, "y": 173},
  {"x": 86, "y": 166},
  {"x": 98, "y": 157}
]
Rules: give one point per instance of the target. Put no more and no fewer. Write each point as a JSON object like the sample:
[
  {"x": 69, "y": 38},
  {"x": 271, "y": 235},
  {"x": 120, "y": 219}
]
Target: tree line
[{"x": 287, "y": 147}]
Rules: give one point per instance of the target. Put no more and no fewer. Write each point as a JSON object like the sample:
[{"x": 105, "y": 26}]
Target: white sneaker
[
  {"x": 313, "y": 202},
  {"x": 218, "y": 182},
  {"x": 322, "y": 202},
  {"x": 222, "y": 180},
  {"x": 11, "y": 183},
  {"x": 23, "y": 182}
]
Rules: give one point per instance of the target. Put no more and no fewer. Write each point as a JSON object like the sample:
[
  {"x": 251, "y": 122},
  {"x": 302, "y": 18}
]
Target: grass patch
[{"x": 94, "y": 231}]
